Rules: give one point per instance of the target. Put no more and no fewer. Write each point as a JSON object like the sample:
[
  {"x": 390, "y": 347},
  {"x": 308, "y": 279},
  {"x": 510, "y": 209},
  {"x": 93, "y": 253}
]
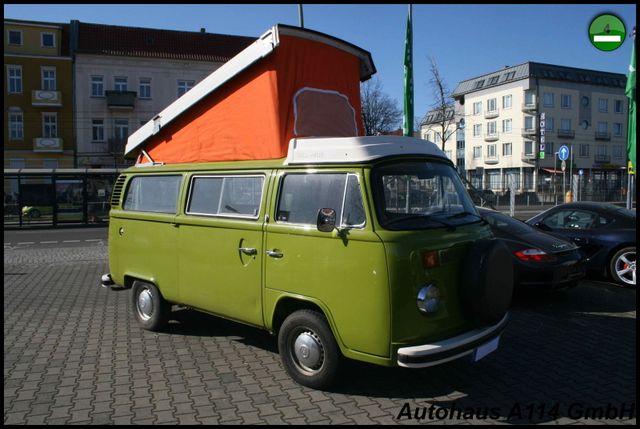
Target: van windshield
[{"x": 421, "y": 195}]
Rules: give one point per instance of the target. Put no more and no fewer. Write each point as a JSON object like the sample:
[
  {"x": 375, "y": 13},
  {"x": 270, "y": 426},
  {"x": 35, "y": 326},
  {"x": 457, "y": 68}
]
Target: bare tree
[
  {"x": 380, "y": 113},
  {"x": 443, "y": 114}
]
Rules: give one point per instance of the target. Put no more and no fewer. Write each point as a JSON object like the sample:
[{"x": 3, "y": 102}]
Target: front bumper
[{"x": 452, "y": 348}]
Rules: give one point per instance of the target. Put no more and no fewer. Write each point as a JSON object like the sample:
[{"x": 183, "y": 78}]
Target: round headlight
[{"x": 428, "y": 299}]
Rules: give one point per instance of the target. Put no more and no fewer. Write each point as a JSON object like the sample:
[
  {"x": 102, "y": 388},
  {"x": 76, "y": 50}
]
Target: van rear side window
[
  {"x": 238, "y": 196},
  {"x": 157, "y": 194}
]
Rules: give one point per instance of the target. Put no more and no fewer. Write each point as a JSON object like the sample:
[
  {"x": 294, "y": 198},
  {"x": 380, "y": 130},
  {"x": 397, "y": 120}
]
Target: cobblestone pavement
[{"x": 73, "y": 355}]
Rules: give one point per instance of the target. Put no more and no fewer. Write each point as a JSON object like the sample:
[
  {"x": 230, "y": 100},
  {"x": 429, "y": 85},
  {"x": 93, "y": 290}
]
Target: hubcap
[
  {"x": 308, "y": 351},
  {"x": 145, "y": 304},
  {"x": 626, "y": 268}
]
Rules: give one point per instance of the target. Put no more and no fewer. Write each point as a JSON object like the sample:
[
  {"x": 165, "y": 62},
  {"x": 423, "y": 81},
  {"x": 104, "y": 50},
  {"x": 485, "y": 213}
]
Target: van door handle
[
  {"x": 249, "y": 251},
  {"x": 274, "y": 254}
]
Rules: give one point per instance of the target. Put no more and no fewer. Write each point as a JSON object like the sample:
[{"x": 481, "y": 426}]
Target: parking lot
[{"x": 73, "y": 355}]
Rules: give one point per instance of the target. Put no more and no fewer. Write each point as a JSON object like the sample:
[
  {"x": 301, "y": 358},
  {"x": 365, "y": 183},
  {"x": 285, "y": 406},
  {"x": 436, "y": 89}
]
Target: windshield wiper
[{"x": 421, "y": 217}]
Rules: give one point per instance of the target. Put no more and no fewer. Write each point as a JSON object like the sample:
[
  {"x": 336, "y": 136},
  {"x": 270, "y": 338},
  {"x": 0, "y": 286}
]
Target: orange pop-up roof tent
[{"x": 291, "y": 82}]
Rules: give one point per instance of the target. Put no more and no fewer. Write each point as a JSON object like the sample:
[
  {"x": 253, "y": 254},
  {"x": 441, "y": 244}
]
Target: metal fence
[{"x": 55, "y": 197}]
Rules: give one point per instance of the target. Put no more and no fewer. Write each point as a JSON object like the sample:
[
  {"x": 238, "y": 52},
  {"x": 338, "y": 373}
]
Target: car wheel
[
  {"x": 150, "y": 309},
  {"x": 308, "y": 350},
  {"x": 35, "y": 213},
  {"x": 623, "y": 266}
]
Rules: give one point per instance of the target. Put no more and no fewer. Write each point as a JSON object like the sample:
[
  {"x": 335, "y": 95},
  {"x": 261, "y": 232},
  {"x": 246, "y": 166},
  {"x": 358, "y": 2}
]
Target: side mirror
[{"x": 326, "y": 220}]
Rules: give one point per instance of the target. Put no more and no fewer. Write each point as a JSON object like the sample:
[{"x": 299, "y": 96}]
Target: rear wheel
[
  {"x": 622, "y": 266},
  {"x": 308, "y": 349},
  {"x": 150, "y": 309}
]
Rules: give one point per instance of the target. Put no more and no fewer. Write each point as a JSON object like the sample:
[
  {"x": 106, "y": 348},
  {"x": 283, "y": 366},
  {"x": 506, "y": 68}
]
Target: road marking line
[
  {"x": 27, "y": 242},
  {"x": 48, "y": 242},
  {"x": 71, "y": 241},
  {"x": 95, "y": 239}
]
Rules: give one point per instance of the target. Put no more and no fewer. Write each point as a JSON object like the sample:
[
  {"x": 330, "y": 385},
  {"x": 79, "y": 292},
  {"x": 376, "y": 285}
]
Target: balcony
[
  {"x": 528, "y": 132},
  {"x": 491, "y": 114},
  {"x": 529, "y": 107},
  {"x": 528, "y": 157},
  {"x": 567, "y": 134},
  {"x": 602, "y": 159},
  {"x": 491, "y": 160},
  {"x": 46, "y": 98},
  {"x": 47, "y": 144},
  {"x": 121, "y": 99},
  {"x": 491, "y": 137},
  {"x": 602, "y": 135}
]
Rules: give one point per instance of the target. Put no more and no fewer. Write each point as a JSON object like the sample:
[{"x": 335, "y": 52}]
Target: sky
[{"x": 466, "y": 40}]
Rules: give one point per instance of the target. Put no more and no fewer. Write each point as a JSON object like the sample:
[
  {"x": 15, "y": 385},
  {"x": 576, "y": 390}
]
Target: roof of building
[
  {"x": 154, "y": 43},
  {"x": 435, "y": 116},
  {"x": 539, "y": 70}
]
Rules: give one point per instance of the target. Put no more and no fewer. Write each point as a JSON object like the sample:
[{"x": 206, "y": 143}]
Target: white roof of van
[
  {"x": 259, "y": 49},
  {"x": 356, "y": 149}
]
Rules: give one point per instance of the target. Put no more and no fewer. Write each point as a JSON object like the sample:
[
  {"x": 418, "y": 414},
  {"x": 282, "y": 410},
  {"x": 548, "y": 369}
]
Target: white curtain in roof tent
[{"x": 323, "y": 113}]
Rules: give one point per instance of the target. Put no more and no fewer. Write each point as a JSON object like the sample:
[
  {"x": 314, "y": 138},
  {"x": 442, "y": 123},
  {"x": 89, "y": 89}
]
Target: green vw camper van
[{"x": 367, "y": 248}]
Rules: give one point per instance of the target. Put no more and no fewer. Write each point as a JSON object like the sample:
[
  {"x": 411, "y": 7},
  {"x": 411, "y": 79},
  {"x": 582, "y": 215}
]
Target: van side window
[
  {"x": 153, "y": 194},
  {"x": 302, "y": 195},
  {"x": 238, "y": 196}
]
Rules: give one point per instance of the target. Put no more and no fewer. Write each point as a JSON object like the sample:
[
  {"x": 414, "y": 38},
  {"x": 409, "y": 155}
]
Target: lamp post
[{"x": 555, "y": 162}]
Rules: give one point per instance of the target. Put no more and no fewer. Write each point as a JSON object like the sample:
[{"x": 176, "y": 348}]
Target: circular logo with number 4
[{"x": 607, "y": 32}]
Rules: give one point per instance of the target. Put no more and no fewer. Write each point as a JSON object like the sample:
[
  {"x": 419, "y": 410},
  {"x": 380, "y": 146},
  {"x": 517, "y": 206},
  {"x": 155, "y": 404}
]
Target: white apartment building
[
  {"x": 585, "y": 110},
  {"x": 124, "y": 76},
  {"x": 450, "y": 131}
]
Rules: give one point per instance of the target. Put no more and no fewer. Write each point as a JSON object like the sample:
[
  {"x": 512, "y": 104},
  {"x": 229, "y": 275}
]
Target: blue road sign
[{"x": 563, "y": 153}]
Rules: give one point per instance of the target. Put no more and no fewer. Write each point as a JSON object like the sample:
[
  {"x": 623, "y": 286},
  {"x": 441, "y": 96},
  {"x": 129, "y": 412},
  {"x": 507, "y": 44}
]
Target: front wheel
[
  {"x": 150, "y": 309},
  {"x": 623, "y": 266},
  {"x": 308, "y": 349}
]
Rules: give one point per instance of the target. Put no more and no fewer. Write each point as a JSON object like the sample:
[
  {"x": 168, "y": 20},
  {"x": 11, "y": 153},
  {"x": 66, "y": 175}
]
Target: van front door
[{"x": 220, "y": 246}]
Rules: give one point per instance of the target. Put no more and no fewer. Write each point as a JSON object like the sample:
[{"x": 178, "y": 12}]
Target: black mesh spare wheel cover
[{"x": 487, "y": 282}]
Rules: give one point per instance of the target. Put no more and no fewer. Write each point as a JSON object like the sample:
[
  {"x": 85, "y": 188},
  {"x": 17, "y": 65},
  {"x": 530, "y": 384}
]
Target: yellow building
[{"x": 38, "y": 98}]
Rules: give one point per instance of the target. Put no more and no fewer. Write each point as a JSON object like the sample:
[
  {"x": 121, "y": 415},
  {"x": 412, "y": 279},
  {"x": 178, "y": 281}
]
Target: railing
[
  {"x": 491, "y": 114},
  {"x": 121, "y": 99},
  {"x": 528, "y": 107},
  {"x": 566, "y": 133},
  {"x": 529, "y": 131},
  {"x": 602, "y": 135},
  {"x": 491, "y": 137},
  {"x": 602, "y": 158}
]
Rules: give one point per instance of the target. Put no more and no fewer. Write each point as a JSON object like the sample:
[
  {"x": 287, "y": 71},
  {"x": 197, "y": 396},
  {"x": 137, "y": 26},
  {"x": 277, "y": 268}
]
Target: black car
[
  {"x": 606, "y": 233},
  {"x": 539, "y": 259}
]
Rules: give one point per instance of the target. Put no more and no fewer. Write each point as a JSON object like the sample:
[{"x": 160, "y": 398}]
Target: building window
[
  {"x": 601, "y": 150},
  {"x": 528, "y": 123},
  {"x": 617, "y": 106},
  {"x": 477, "y": 152},
  {"x": 602, "y": 127},
  {"x": 492, "y": 128},
  {"x": 477, "y": 130},
  {"x": 97, "y": 86},
  {"x": 14, "y": 76},
  {"x": 565, "y": 124},
  {"x": 492, "y": 105},
  {"x": 48, "y": 40},
  {"x": 618, "y": 151},
  {"x": 493, "y": 80},
  {"x": 448, "y": 154},
  {"x": 507, "y": 149},
  {"x": 121, "y": 129},
  {"x": 603, "y": 105},
  {"x": 16, "y": 124},
  {"x": 15, "y": 37},
  {"x": 617, "y": 129},
  {"x": 565, "y": 101},
  {"x": 49, "y": 78},
  {"x": 510, "y": 75},
  {"x": 528, "y": 147},
  {"x": 184, "y": 86},
  {"x": 549, "y": 148},
  {"x": 547, "y": 99},
  {"x": 437, "y": 137},
  {"x": 548, "y": 124},
  {"x": 120, "y": 84},
  {"x": 528, "y": 98},
  {"x": 584, "y": 150},
  {"x": 97, "y": 130},
  {"x": 477, "y": 108},
  {"x": 145, "y": 87},
  {"x": 479, "y": 84},
  {"x": 491, "y": 151},
  {"x": 49, "y": 125},
  {"x": 507, "y": 125},
  {"x": 506, "y": 101}
]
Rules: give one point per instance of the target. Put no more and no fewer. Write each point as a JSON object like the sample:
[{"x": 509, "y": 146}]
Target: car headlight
[{"x": 428, "y": 299}]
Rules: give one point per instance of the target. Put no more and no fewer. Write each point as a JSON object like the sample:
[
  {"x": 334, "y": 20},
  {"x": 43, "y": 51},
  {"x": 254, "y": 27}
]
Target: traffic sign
[{"x": 563, "y": 153}]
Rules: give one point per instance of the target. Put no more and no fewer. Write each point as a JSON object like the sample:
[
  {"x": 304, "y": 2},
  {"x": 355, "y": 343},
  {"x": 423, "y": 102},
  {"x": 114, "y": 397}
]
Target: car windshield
[
  {"x": 505, "y": 223},
  {"x": 421, "y": 195}
]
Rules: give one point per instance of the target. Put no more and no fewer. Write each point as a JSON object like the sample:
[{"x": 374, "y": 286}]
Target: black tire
[
  {"x": 316, "y": 361},
  {"x": 622, "y": 267},
  {"x": 150, "y": 309},
  {"x": 35, "y": 213},
  {"x": 487, "y": 282}
]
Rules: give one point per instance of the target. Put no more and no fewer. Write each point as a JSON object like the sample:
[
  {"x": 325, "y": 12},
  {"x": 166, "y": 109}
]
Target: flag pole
[
  {"x": 408, "y": 78},
  {"x": 630, "y": 92}
]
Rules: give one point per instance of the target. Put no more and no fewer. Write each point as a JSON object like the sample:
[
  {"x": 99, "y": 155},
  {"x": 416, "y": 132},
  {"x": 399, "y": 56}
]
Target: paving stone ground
[{"x": 73, "y": 355}]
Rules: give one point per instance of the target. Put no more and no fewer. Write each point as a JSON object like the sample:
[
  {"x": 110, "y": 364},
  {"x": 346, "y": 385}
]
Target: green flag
[
  {"x": 407, "y": 126},
  {"x": 631, "y": 94}
]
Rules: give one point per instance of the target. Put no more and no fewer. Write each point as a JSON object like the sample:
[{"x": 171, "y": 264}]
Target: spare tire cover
[{"x": 486, "y": 286}]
